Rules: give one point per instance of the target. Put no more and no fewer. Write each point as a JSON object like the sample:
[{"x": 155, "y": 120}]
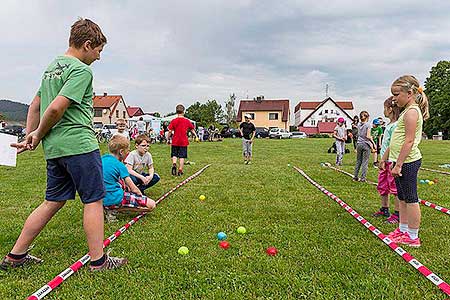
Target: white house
[{"x": 314, "y": 117}]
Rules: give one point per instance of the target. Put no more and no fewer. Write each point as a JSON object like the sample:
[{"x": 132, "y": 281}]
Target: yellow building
[{"x": 268, "y": 113}]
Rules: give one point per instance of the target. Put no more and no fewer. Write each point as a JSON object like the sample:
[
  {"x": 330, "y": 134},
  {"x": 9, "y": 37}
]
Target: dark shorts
[
  {"x": 178, "y": 151},
  {"x": 80, "y": 173},
  {"x": 407, "y": 183}
]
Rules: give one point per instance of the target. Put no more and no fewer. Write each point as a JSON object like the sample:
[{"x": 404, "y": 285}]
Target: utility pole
[{"x": 326, "y": 91}]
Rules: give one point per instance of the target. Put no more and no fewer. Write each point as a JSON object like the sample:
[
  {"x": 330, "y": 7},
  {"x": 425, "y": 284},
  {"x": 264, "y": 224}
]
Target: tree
[
  {"x": 230, "y": 116},
  {"x": 205, "y": 114},
  {"x": 437, "y": 89},
  {"x": 157, "y": 114}
]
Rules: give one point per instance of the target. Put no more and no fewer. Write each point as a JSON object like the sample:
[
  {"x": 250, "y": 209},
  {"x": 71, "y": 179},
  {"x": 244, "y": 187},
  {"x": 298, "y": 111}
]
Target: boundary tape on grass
[
  {"x": 424, "y": 202},
  {"x": 435, "y": 171},
  {"x": 436, "y": 280},
  {"x": 55, "y": 282}
]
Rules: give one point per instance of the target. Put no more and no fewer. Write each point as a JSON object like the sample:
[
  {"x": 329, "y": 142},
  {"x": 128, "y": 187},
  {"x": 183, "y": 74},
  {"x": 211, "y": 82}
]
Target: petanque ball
[
  {"x": 183, "y": 250},
  {"x": 221, "y": 236},
  {"x": 271, "y": 251},
  {"x": 241, "y": 230},
  {"x": 202, "y": 197},
  {"x": 224, "y": 245}
]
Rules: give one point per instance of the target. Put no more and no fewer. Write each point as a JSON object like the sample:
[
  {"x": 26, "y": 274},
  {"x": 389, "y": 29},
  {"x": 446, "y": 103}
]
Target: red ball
[
  {"x": 435, "y": 180},
  {"x": 224, "y": 245},
  {"x": 271, "y": 251}
]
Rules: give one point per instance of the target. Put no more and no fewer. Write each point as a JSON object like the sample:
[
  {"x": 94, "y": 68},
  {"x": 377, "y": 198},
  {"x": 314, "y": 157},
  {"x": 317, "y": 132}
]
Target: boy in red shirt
[{"x": 180, "y": 127}]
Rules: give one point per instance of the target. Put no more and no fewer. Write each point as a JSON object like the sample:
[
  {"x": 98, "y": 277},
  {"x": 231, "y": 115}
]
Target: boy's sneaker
[
  {"x": 396, "y": 236},
  {"x": 393, "y": 219},
  {"x": 174, "y": 170},
  {"x": 381, "y": 213},
  {"x": 362, "y": 180},
  {"x": 406, "y": 239},
  {"x": 180, "y": 172},
  {"x": 110, "y": 215},
  {"x": 355, "y": 179},
  {"x": 9, "y": 262},
  {"x": 109, "y": 264}
]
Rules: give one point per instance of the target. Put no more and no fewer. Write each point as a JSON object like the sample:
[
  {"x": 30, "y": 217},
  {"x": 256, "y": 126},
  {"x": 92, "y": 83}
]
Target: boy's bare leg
[
  {"x": 35, "y": 222},
  {"x": 181, "y": 164},
  {"x": 174, "y": 160},
  {"x": 93, "y": 227}
]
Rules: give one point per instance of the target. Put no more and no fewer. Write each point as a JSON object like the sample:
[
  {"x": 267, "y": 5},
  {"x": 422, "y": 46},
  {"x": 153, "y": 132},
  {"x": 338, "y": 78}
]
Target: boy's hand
[
  {"x": 382, "y": 165},
  {"x": 146, "y": 180},
  {"x": 21, "y": 147},
  {"x": 33, "y": 140}
]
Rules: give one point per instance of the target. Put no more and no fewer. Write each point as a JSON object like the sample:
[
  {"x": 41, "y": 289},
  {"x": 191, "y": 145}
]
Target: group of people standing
[{"x": 397, "y": 144}]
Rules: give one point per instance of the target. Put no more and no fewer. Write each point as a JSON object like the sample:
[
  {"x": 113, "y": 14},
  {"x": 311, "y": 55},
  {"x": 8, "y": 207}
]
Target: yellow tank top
[{"x": 399, "y": 136}]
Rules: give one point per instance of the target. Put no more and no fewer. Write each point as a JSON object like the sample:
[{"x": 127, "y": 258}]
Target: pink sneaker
[
  {"x": 393, "y": 219},
  {"x": 410, "y": 242},
  {"x": 396, "y": 236}
]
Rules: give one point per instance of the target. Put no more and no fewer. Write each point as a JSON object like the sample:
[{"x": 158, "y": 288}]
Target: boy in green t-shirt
[
  {"x": 61, "y": 115},
  {"x": 376, "y": 132}
]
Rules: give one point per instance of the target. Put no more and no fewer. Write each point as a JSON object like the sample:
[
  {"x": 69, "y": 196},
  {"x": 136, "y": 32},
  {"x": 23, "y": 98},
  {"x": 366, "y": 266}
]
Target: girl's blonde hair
[
  {"x": 410, "y": 83},
  {"x": 390, "y": 103}
]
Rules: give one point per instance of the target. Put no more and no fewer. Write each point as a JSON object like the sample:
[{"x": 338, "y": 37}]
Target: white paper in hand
[{"x": 8, "y": 154}]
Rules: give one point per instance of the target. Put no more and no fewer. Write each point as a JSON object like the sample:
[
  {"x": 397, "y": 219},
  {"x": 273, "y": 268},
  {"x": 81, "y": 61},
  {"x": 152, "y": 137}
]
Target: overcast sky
[{"x": 161, "y": 53}]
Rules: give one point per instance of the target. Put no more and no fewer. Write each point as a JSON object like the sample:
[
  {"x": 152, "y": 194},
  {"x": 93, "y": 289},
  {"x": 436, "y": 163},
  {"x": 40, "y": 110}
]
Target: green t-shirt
[
  {"x": 73, "y": 134},
  {"x": 376, "y": 133}
]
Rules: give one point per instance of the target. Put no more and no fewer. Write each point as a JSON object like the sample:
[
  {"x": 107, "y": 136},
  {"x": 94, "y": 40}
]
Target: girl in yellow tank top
[{"x": 404, "y": 151}]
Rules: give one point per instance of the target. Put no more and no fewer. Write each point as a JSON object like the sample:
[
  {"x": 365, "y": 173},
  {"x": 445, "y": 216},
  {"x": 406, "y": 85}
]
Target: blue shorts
[
  {"x": 178, "y": 151},
  {"x": 407, "y": 183},
  {"x": 80, "y": 173}
]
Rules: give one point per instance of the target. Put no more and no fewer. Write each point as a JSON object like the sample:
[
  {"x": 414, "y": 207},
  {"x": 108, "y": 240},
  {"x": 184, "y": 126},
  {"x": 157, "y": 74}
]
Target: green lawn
[{"x": 324, "y": 253}]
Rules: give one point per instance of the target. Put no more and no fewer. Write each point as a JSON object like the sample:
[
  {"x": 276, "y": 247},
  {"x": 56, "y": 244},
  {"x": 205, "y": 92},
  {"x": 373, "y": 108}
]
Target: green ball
[
  {"x": 183, "y": 250},
  {"x": 241, "y": 230},
  {"x": 289, "y": 165}
]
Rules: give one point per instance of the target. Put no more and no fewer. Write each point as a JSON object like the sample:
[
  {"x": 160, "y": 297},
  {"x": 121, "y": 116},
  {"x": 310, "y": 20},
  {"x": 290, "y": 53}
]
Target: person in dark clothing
[{"x": 248, "y": 131}]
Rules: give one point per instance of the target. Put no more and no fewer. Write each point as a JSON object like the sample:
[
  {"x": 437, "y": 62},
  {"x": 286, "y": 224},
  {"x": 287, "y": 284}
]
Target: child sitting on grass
[
  {"x": 140, "y": 160},
  {"x": 116, "y": 176}
]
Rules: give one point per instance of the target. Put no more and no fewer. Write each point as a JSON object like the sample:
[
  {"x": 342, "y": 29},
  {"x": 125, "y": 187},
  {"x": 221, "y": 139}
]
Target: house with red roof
[
  {"x": 109, "y": 108},
  {"x": 269, "y": 113},
  {"x": 135, "y": 111},
  {"x": 314, "y": 117}
]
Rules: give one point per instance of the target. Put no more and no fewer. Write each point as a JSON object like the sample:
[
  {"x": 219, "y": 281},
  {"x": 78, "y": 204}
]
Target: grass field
[{"x": 324, "y": 253}]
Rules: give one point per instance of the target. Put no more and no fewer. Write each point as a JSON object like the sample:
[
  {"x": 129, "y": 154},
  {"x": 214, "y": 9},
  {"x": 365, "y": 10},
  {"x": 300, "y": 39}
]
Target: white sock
[
  {"x": 413, "y": 233},
  {"x": 403, "y": 227}
]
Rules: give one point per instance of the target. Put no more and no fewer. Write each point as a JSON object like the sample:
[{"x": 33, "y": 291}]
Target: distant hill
[{"x": 13, "y": 111}]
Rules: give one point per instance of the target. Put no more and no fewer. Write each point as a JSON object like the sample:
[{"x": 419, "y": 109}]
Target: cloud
[{"x": 160, "y": 53}]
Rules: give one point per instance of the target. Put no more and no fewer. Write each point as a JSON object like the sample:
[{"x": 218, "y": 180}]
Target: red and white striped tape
[
  {"x": 436, "y": 280},
  {"x": 52, "y": 284},
  {"x": 424, "y": 202},
  {"x": 435, "y": 171}
]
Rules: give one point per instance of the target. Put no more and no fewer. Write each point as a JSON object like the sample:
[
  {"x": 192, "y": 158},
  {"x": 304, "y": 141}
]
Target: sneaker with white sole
[
  {"x": 407, "y": 240},
  {"x": 109, "y": 264},
  {"x": 9, "y": 262},
  {"x": 396, "y": 236}
]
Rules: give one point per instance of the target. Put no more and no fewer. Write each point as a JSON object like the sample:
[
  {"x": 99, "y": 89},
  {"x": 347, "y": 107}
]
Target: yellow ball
[
  {"x": 241, "y": 230},
  {"x": 431, "y": 183},
  {"x": 202, "y": 197},
  {"x": 183, "y": 250}
]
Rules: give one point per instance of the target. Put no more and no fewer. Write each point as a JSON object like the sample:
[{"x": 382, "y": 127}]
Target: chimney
[{"x": 104, "y": 94}]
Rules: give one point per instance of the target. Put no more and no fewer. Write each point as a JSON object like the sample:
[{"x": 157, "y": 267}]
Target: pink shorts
[{"x": 386, "y": 182}]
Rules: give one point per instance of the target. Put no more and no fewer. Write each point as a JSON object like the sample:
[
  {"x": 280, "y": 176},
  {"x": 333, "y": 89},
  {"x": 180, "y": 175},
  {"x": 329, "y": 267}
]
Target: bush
[{"x": 319, "y": 135}]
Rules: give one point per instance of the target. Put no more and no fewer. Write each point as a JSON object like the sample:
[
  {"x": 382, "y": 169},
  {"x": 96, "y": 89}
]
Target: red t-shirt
[{"x": 180, "y": 127}]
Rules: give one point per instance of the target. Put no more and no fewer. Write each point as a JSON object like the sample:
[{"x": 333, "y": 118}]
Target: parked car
[
  {"x": 109, "y": 128},
  {"x": 228, "y": 132},
  {"x": 298, "y": 135},
  {"x": 262, "y": 132},
  {"x": 16, "y": 130},
  {"x": 279, "y": 133}
]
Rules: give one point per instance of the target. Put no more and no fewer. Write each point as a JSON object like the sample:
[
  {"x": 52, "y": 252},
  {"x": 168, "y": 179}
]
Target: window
[
  {"x": 331, "y": 111},
  {"x": 124, "y": 115},
  {"x": 313, "y": 122},
  {"x": 252, "y": 115},
  {"x": 326, "y": 111},
  {"x": 98, "y": 112},
  {"x": 117, "y": 113},
  {"x": 273, "y": 116}
]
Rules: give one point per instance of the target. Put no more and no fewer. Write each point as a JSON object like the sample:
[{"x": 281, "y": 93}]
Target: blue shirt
[{"x": 113, "y": 171}]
